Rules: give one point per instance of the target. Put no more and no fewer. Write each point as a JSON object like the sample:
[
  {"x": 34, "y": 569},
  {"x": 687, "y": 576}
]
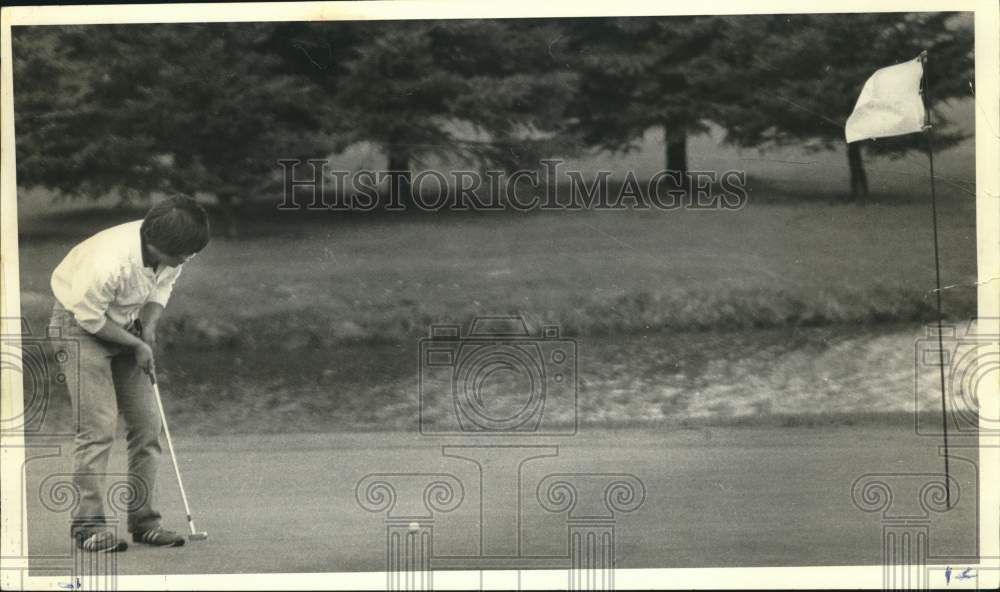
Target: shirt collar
[
  {"x": 138, "y": 253},
  {"x": 144, "y": 254}
]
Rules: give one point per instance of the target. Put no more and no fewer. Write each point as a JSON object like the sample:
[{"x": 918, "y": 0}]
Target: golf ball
[{"x": 414, "y": 526}]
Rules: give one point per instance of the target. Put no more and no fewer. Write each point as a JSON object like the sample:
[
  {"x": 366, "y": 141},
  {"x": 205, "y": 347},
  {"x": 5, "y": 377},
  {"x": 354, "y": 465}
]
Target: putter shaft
[{"x": 195, "y": 535}]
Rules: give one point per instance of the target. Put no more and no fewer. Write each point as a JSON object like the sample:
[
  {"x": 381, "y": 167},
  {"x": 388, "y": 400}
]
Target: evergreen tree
[
  {"x": 485, "y": 90},
  {"x": 133, "y": 109},
  {"x": 794, "y": 79},
  {"x": 641, "y": 73}
]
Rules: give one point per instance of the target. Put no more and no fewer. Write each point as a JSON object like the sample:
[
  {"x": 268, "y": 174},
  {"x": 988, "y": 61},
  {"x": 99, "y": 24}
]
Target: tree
[
  {"x": 416, "y": 88},
  {"x": 640, "y": 73},
  {"x": 143, "y": 108},
  {"x": 68, "y": 138},
  {"x": 795, "y": 78}
]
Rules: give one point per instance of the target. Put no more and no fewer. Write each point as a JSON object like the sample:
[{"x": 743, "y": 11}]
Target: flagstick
[{"x": 928, "y": 128}]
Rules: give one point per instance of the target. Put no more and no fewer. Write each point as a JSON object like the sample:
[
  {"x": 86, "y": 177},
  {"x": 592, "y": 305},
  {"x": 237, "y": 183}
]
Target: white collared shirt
[{"x": 104, "y": 278}]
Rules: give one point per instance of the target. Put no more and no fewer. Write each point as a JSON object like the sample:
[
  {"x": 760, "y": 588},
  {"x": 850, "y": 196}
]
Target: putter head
[{"x": 198, "y": 536}]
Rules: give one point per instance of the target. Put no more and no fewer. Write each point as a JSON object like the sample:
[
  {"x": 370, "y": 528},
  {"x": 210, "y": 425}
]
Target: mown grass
[
  {"x": 301, "y": 279},
  {"x": 798, "y": 310},
  {"x": 788, "y": 377}
]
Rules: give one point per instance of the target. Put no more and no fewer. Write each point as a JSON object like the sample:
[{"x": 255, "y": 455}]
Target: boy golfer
[{"x": 110, "y": 291}]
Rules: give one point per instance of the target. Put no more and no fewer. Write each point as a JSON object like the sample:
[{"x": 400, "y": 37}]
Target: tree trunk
[
  {"x": 675, "y": 138},
  {"x": 399, "y": 192},
  {"x": 859, "y": 182}
]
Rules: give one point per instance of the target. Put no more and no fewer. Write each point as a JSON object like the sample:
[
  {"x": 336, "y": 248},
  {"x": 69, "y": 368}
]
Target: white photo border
[{"x": 987, "y": 60}]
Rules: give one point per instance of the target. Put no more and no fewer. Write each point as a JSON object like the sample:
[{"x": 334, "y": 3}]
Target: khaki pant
[{"x": 109, "y": 383}]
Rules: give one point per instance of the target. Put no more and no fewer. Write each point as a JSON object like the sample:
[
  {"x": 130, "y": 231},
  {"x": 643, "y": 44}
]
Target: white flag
[{"x": 890, "y": 104}]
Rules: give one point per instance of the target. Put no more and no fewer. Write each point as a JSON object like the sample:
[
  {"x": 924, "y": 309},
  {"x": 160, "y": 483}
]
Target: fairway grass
[
  {"x": 310, "y": 279},
  {"x": 720, "y": 497},
  {"x": 776, "y": 315}
]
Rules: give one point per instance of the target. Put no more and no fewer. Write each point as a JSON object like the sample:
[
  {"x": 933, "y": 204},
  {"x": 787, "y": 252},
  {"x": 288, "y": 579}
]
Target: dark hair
[{"x": 177, "y": 225}]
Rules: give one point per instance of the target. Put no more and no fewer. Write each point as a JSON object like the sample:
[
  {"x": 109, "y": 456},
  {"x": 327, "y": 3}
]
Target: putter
[{"x": 194, "y": 535}]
